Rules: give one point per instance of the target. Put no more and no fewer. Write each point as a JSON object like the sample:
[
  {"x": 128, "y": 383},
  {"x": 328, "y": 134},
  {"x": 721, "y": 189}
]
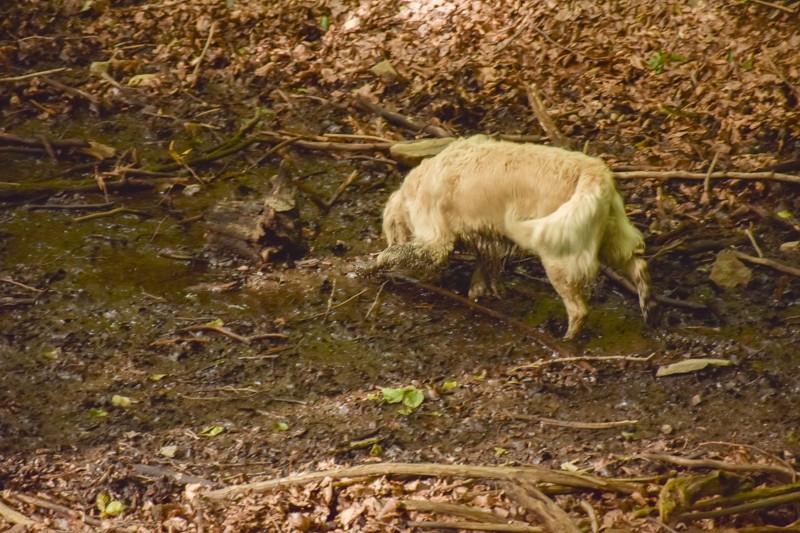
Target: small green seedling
[{"x": 410, "y": 397}]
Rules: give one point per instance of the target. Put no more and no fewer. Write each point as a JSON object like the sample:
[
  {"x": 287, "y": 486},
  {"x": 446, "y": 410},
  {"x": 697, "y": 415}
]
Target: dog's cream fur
[{"x": 562, "y": 206}]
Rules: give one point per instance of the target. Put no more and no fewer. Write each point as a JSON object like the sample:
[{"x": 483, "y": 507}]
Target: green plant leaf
[
  {"x": 114, "y": 508},
  {"x": 212, "y": 431},
  {"x": 392, "y": 395},
  {"x": 449, "y": 385},
  {"x": 280, "y": 426},
  {"x": 413, "y": 397},
  {"x": 96, "y": 412},
  {"x": 324, "y": 22}
]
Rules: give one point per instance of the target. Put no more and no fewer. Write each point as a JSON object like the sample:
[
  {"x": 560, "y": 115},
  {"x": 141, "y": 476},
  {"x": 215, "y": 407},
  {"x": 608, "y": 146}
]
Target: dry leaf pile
[{"x": 667, "y": 85}]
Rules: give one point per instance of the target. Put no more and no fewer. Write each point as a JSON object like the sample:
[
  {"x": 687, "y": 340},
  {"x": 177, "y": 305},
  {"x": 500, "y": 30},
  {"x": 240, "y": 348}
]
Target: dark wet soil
[{"x": 121, "y": 301}]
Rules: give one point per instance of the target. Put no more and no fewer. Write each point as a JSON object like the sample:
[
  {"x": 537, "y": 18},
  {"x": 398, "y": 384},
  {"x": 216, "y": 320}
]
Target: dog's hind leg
[{"x": 571, "y": 294}]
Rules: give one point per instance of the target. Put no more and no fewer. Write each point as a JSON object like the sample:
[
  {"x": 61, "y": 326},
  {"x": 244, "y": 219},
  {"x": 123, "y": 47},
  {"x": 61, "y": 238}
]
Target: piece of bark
[{"x": 261, "y": 231}]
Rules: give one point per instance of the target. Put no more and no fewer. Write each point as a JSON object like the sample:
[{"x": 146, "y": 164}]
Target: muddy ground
[{"x": 110, "y": 361}]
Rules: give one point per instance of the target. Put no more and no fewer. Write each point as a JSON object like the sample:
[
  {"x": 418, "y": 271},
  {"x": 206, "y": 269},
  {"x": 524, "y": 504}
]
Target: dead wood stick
[
  {"x": 776, "y": 6},
  {"x": 66, "y": 511},
  {"x": 542, "y": 338},
  {"x": 21, "y": 285},
  {"x": 178, "y": 340},
  {"x": 111, "y": 213},
  {"x": 70, "y": 207},
  {"x": 463, "y": 511},
  {"x": 476, "y": 526},
  {"x": 533, "y": 474},
  {"x": 8, "y": 138},
  {"x": 553, "y": 517},
  {"x": 342, "y": 187},
  {"x": 701, "y": 176},
  {"x": 718, "y": 465},
  {"x": 15, "y": 517},
  {"x": 628, "y": 286},
  {"x": 626, "y": 358},
  {"x": 333, "y": 146},
  {"x": 233, "y": 335},
  {"x": 71, "y": 90},
  {"x": 199, "y": 59},
  {"x": 763, "y": 261},
  {"x": 574, "y": 425},
  {"x": 277, "y": 147},
  {"x": 743, "y": 508},
  {"x": 549, "y": 127},
  {"x": 32, "y": 75},
  {"x": 399, "y": 120}
]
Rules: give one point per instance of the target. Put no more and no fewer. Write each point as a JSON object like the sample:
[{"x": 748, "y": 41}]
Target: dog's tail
[{"x": 573, "y": 228}]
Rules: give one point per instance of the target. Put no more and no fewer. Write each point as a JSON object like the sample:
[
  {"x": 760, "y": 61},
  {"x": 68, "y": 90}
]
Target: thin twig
[
  {"x": 736, "y": 509},
  {"x": 625, "y": 358},
  {"x": 203, "y": 53},
  {"x": 325, "y": 313},
  {"x": 753, "y": 241},
  {"x": 476, "y": 526},
  {"x": 33, "y": 75},
  {"x": 22, "y": 285},
  {"x": 539, "y": 110},
  {"x": 718, "y": 465},
  {"x": 540, "y": 337},
  {"x": 768, "y": 262},
  {"x": 573, "y": 425},
  {"x": 342, "y": 187},
  {"x": 776, "y": 6},
  {"x": 472, "y": 513},
  {"x": 112, "y": 212},
  {"x": 706, "y": 196},
  {"x": 684, "y": 175},
  {"x": 377, "y": 299}
]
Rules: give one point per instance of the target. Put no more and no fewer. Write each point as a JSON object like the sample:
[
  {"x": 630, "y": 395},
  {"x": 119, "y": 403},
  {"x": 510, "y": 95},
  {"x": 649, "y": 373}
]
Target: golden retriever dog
[{"x": 495, "y": 196}]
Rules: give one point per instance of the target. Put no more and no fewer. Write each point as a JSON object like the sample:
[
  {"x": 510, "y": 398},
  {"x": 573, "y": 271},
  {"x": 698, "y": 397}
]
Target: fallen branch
[
  {"x": 60, "y": 509},
  {"x": 327, "y": 145},
  {"x": 541, "y": 338},
  {"x": 573, "y": 425},
  {"x": 111, "y": 213},
  {"x": 472, "y": 513},
  {"x": 553, "y": 517},
  {"x": 702, "y": 176},
  {"x": 737, "y": 509},
  {"x": 763, "y": 261},
  {"x": 477, "y": 526},
  {"x": 235, "y": 336},
  {"x": 397, "y": 119},
  {"x": 72, "y": 90},
  {"x": 549, "y": 127},
  {"x": 342, "y": 187},
  {"x": 24, "y": 191},
  {"x": 70, "y": 207},
  {"x": 15, "y": 517},
  {"x": 719, "y": 465},
  {"x": 32, "y": 75},
  {"x": 626, "y": 358},
  {"x": 532, "y": 474}
]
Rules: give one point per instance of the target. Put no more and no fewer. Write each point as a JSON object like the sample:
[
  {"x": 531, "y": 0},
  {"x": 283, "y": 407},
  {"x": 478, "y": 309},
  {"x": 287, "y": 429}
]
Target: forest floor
[{"x": 151, "y": 382}]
